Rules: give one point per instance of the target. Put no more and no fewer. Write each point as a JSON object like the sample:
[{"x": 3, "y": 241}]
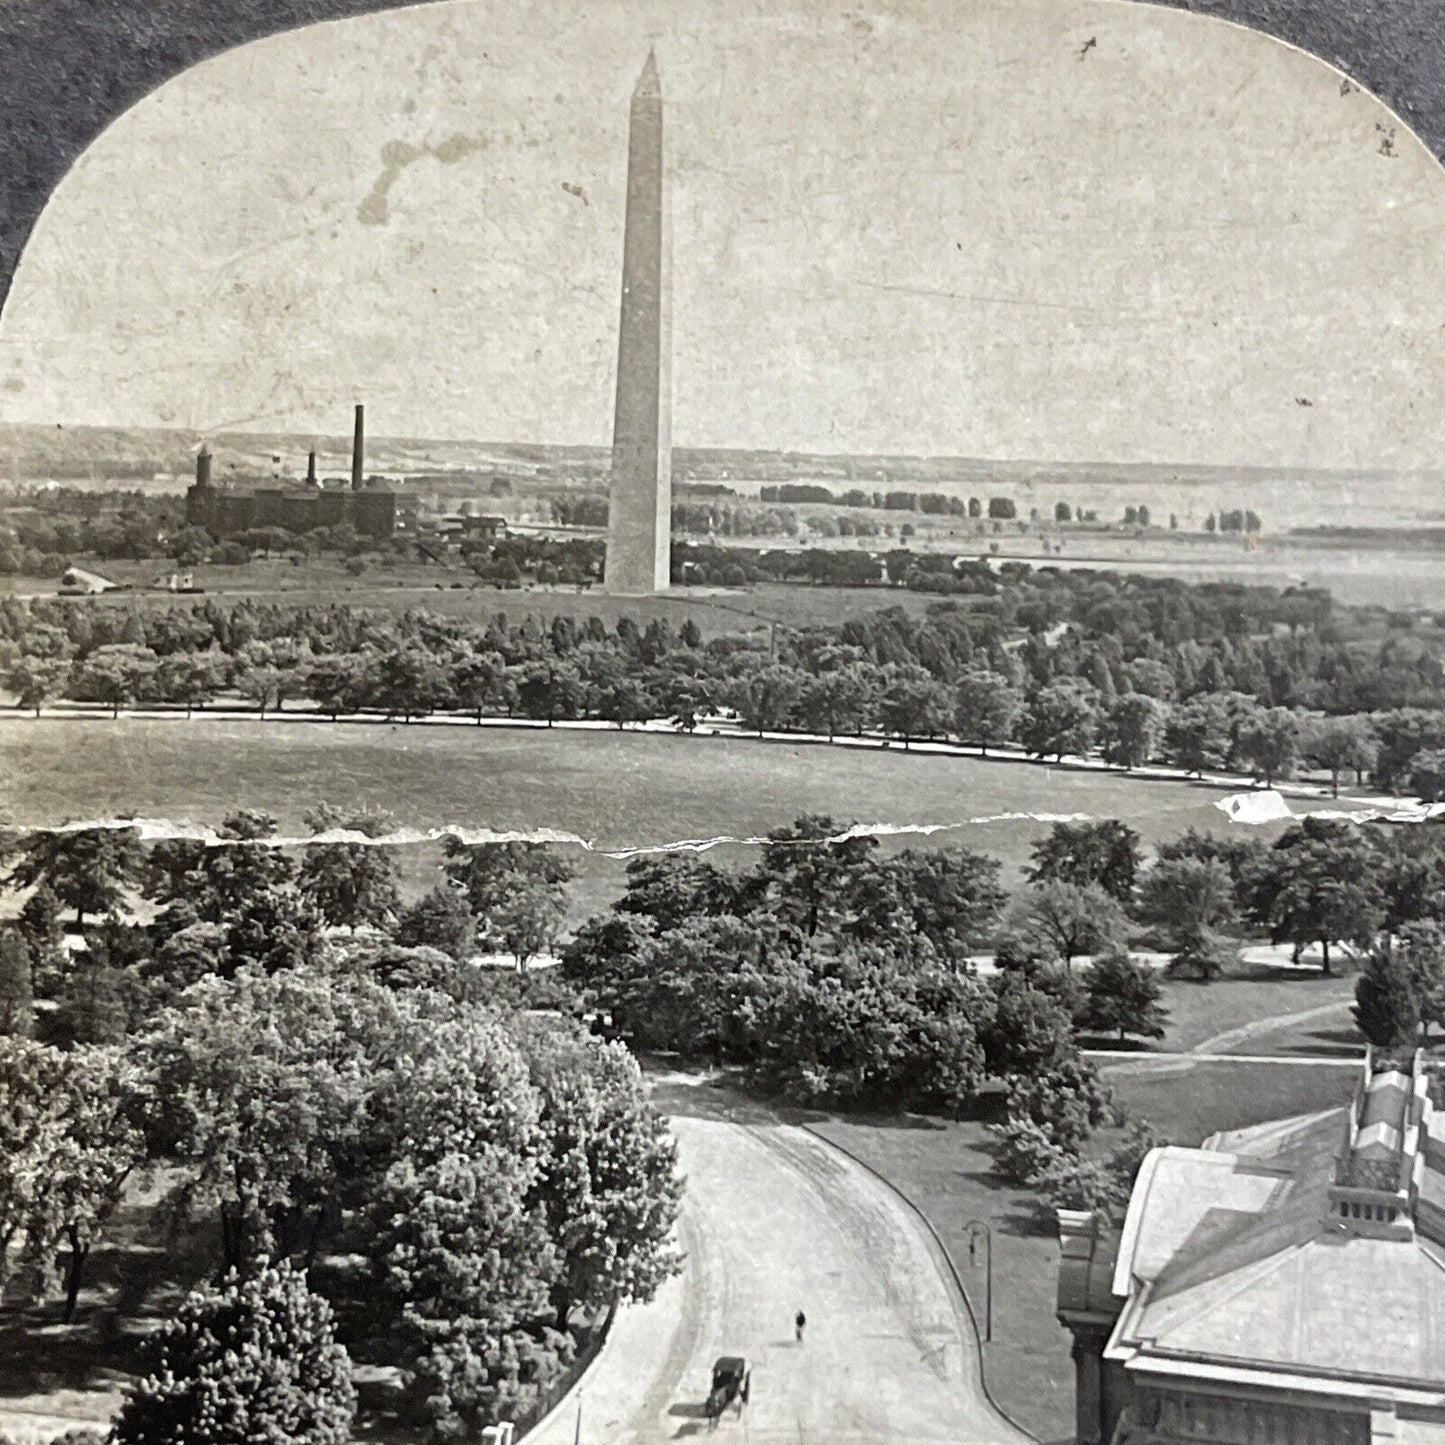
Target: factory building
[{"x": 375, "y": 508}]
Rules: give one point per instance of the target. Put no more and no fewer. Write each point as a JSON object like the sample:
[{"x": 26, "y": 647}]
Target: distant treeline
[{"x": 1133, "y": 670}]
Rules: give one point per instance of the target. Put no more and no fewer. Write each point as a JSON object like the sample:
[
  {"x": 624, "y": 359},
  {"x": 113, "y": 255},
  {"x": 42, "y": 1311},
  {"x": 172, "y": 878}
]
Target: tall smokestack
[
  {"x": 358, "y": 448},
  {"x": 311, "y": 467},
  {"x": 203, "y": 466}
]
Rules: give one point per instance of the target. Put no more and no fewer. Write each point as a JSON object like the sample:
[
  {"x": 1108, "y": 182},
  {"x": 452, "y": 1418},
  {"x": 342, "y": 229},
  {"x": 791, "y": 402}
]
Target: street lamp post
[{"x": 977, "y": 1230}]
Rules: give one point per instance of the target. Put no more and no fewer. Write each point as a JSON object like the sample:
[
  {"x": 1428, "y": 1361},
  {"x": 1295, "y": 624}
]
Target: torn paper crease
[
  {"x": 151, "y": 830},
  {"x": 1250, "y": 809}
]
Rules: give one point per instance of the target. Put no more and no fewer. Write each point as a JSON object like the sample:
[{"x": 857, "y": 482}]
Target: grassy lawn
[
  {"x": 1187, "y": 1100},
  {"x": 620, "y": 789},
  {"x": 1198, "y": 1012}
]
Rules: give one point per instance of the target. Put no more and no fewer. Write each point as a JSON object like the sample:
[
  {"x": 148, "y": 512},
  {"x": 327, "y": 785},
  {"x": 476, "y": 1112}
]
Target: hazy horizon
[{"x": 896, "y": 231}]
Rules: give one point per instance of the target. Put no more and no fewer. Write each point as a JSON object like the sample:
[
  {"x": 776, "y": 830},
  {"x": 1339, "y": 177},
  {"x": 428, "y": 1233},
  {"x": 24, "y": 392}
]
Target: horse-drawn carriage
[{"x": 731, "y": 1381}]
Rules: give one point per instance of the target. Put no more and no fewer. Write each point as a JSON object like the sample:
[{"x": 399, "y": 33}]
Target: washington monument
[{"x": 639, "y": 528}]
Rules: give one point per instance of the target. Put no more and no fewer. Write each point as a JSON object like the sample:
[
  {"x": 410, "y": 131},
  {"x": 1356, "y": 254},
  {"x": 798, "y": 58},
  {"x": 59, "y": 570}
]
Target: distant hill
[{"x": 155, "y": 458}]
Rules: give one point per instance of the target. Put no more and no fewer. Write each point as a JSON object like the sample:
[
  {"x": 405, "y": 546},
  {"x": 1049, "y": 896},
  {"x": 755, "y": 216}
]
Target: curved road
[{"x": 774, "y": 1221}]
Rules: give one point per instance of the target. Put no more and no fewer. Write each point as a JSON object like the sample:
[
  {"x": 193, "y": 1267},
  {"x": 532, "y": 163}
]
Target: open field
[{"x": 617, "y": 789}]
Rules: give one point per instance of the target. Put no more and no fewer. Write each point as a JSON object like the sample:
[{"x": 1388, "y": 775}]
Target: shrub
[
  {"x": 1025, "y": 1150},
  {"x": 1067, "y": 1102},
  {"x": 253, "y": 1360}
]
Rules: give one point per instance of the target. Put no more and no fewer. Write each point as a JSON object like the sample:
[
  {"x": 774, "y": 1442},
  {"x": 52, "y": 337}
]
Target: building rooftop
[{"x": 1308, "y": 1250}]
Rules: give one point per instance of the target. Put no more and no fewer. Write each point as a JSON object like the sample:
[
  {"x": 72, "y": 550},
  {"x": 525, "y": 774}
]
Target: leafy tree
[
  {"x": 670, "y": 888},
  {"x": 1245, "y": 858},
  {"x": 350, "y": 884},
  {"x": 1197, "y": 735},
  {"x": 517, "y": 891},
  {"x": 439, "y": 919},
  {"x": 275, "y": 928},
  {"x": 69, "y": 1146},
  {"x": 1320, "y": 886},
  {"x": 1026, "y": 1151},
  {"x": 986, "y": 707},
  {"x": 1069, "y": 1101},
  {"x": 1412, "y": 877},
  {"x": 945, "y": 897},
  {"x": 1182, "y": 896},
  {"x": 259, "y": 1087},
  {"x": 841, "y": 699},
  {"x": 253, "y": 1359},
  {"x": 862, "y": 1025},
  {"x": 1270, "y": 742},
  {"x": 1204, "y": 954},
  {"x": 44, "y": 934},
  {"x": 17, "y": 991},
  {"x": 454, "y": 1228},
  {"x": 1069, "y": 919},
  {"x": 609, "y": 1184},
  {"x": 117, "y": 674},
  {"x": 1028, "y": 1032},
  {"x": 1427, "y": 775},
  {"x": 1061, "y": 717},
  {"x": 912, "y": 704},
  {"x": 87, "y": 869},
  {"x": 92, "y": 1006},
  {"x": 528, "y": 921},
  {"x": 1102, "y": 1186},
  {"x": 1340, "y": 743},
  {"x": 216, "y": 882},
  {"x": 550, "y": 690},
  {"x": 1386, "y": 1008},
  {"x": 186, "y": 956},
  {"x": 401, "y": 968},
  {"x": 1131, "y": 730},
  {"x": 191, "y": 678},
  {"x": 1421, "y": 945},
  {"x": 766, "y": 698},
  {"x": 35, "y": 680},
  {"x": 1105, "y": 853},
  {"x": 808, "y": 868},
  {"x": 408, "y": 681},
  {"x": 1124, "y": 995}
]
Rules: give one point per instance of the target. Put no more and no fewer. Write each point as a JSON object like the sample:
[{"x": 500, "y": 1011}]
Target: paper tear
[
  {"x": 153, "y": 830},
  {"x": 1266, "y": 806},
  {"x": 1249, "y": 809}
]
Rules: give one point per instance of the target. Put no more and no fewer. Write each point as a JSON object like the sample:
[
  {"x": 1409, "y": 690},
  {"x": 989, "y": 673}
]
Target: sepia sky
[{"x": 1026, "y": 228}]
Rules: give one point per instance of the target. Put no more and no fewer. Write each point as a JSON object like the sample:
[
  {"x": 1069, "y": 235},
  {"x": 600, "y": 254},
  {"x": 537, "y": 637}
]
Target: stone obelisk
[{"x": 639, "y": 528}]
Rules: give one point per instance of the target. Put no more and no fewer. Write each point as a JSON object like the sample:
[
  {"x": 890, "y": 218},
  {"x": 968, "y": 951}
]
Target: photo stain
[{"x": 396, "y": 156}]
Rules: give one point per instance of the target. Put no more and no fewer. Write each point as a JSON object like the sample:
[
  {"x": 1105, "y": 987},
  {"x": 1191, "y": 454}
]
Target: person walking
[{"x": 800, "y": 1320}]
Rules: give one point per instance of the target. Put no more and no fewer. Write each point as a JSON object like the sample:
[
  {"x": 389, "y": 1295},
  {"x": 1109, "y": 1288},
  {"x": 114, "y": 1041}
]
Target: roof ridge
[{"x": 1249, "y": 1275}]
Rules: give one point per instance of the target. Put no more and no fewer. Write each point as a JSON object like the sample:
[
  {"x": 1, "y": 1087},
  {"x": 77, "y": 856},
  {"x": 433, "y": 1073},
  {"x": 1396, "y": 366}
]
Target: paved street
[{"x": 776, "y": 1221}]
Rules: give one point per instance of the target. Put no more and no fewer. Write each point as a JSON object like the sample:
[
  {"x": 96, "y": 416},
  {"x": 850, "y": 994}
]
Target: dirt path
[{"x": 776, "y": 1220}]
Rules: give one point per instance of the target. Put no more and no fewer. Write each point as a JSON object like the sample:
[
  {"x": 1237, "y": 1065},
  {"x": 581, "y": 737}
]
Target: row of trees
[{"x": 907, "y": 679}]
